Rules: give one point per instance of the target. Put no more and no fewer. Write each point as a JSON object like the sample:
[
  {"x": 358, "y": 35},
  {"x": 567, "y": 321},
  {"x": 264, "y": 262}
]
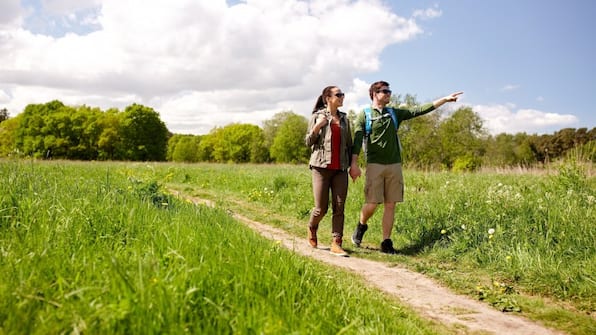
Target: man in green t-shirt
[{"x": 384, "y": 180}]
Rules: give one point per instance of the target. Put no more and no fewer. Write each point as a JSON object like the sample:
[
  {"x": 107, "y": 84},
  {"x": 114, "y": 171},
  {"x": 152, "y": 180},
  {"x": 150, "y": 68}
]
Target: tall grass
[
  {"x": 535, "y": 232},
  {"x": 100, "y": 248},
  {"x": 531, "y": 233}
]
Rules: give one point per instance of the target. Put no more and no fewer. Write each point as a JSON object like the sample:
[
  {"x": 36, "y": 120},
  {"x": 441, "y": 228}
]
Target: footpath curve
[{"x": 424, "y": 295}]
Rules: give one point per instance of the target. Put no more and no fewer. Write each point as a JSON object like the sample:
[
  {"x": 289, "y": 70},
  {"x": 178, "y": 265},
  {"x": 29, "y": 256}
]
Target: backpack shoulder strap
[
  {"x": 393, "y": 116},
  {"x": 367, "y": 121}
]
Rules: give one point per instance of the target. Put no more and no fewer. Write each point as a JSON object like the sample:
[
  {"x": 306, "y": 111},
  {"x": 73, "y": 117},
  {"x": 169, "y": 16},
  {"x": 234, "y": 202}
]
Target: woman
[{"x": 330, "y": 138}]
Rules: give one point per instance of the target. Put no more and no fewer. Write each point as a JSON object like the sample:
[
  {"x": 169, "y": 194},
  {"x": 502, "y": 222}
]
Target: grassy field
[
  {"x": 99, "y": 248},
  {"x": 103, "y": 248},
  {"x": 522, "y": 242}
]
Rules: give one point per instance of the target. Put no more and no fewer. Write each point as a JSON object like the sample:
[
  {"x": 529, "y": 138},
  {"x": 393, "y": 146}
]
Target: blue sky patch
[{"x": 40, "y": 20}]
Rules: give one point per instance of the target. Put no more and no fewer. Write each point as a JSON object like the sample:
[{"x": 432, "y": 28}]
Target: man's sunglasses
[
  {"x": 339, "y": 95},
  {"x": 386, "y": 91}
]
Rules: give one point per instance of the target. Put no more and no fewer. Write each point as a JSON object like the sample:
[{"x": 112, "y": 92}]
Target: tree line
[
  {"x": 54, "y": 130},
  {"x": 440, "y": 140}
]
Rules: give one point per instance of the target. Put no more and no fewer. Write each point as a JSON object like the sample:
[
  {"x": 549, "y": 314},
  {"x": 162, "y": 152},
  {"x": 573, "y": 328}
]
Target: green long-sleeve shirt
[{"x": 382, "y": 145}]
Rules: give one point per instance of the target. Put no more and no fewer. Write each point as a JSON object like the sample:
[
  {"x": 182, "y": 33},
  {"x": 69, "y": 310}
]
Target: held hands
[{"x": 355, "y": 172}]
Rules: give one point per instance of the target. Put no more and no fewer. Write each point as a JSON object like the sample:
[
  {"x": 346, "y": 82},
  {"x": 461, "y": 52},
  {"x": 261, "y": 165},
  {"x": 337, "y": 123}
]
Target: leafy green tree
[
  {"x": 462, "y": 137},
  {"x": 59, "y": 131},
  {"x": 408, "y": 100},
  {"x": 207, "y": 146},
  {"x": 39, "y": 132},
  {"x": 56, "y": 130},
  {"x": 419, "y": 136},
  {"x": 86, "y": 131},
  {"x": 523, "y": 151},
  {"x": 288, "y": 145},
  {"x": 144, "y": 135},
  {"x": 259, "y": 152},
  {"x": 185, "y": 148},
  {"x": 271, "y": 127},
  {"x": 109, "y": 143},
  {"x": 500, "y": 150},
  {"x": 172, "y": 142},
  {"x": 540, "y": 147},
  {"x": 547, "y": 148},
  {"x": 8, "y": 131},
  {"x": 562, "y": 141},
  {"x": 237, "y": 143},
  {"x": 3, "y": 115},
  {"x": 591, "y": 135},
  {"x": 421, "y": 141},
  {"x": 581, "y": 136}
]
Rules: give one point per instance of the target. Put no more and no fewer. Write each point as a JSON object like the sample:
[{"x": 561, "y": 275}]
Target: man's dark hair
[{"x": 375, "y": 87}]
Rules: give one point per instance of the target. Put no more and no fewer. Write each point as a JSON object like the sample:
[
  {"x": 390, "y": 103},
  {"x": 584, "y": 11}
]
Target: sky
[{"x": 523, "y": 65}]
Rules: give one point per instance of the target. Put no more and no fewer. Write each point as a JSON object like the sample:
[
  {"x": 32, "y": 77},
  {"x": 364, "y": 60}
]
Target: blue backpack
[{"x": 369, "y": 119}]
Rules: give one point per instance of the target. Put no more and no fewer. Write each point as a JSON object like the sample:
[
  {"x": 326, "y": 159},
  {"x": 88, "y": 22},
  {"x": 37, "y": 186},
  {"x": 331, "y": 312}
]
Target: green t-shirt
[{"x": 382, "y": 145}]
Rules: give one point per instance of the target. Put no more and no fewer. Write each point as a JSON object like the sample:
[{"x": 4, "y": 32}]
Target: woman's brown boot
[
  {"x": 336, "y": 248},
  {"x": 312, "y": 236}
]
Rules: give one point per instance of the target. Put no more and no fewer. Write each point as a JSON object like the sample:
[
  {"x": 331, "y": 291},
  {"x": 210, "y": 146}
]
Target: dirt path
[{"x": 422, "y": 294}]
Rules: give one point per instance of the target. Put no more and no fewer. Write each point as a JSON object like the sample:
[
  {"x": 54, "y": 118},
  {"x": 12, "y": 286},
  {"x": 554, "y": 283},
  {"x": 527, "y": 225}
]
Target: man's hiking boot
[
  {"x": 359, "y": 233},
  {"x": 336, "y": 248},
  {"x": 387, "y": 247},
  {"x": 312, "y": 236}
]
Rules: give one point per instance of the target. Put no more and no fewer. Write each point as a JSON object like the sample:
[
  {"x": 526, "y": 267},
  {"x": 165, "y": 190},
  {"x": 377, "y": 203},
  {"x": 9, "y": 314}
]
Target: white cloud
[
  {"x": 429, "y": 13},
  {"x": 506, "y": 119},
  {"x": 10, "y": 14},
  {"x": 4, "y": 97},
  {"x": 357, "y": 96},
  {"x": 510, "y": 87},
  {"x": 201, "y": 63},
  {"x": 67, "y": 7}
]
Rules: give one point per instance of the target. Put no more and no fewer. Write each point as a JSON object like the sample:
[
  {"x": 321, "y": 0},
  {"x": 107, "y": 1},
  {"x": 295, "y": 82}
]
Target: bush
[{"x": 467, "y": 163}]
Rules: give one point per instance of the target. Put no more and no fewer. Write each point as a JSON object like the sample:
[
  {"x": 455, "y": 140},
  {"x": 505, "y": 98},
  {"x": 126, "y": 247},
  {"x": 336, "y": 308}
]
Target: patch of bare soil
[{"x": 422, "y": 294}]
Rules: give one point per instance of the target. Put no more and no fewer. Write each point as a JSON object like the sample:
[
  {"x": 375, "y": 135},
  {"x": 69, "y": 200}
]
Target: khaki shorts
[{"x": 384, "y": 183}]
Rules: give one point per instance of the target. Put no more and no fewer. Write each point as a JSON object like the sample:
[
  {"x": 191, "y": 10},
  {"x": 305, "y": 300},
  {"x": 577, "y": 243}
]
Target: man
[{"x": 384, "y": 180}]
